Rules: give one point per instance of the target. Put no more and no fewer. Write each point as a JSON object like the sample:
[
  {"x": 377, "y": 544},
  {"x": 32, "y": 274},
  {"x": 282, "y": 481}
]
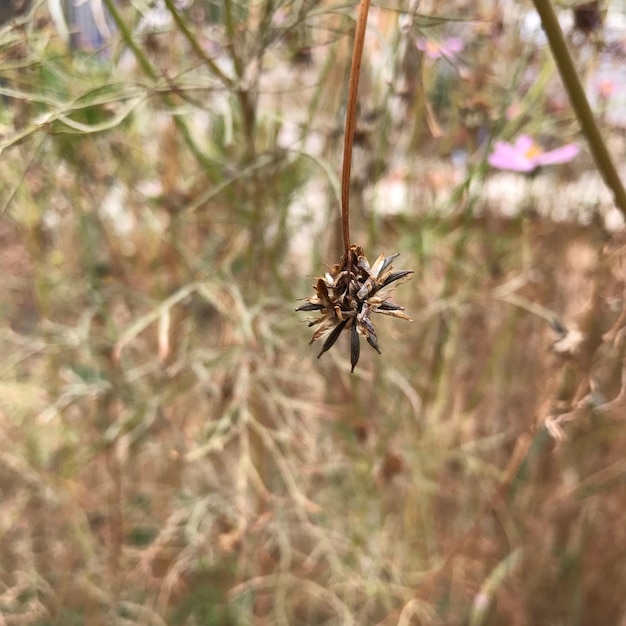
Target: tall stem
[
  {"x": 579, "y": 101},
  {"x": 348, "y": 138}
]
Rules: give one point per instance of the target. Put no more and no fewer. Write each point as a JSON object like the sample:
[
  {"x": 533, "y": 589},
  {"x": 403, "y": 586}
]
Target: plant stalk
[
  {"x": 348, "y": 138},
  {"x": 579, "y": 101}
]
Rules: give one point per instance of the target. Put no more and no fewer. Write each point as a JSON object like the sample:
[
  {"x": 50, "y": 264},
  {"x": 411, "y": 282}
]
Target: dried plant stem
[
  {"x": 579, "y": 101},
  {"x": 526, "y": 446},
  {"x": 353, "y": 90}
]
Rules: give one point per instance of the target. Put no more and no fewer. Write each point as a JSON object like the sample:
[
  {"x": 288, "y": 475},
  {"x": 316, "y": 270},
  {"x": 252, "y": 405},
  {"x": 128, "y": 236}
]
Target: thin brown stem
[{"x": 353, "y": 89}]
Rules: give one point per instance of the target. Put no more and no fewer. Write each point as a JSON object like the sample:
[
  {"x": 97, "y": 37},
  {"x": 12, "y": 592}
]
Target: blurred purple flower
[
  {"x": 435, "y": 50},
  {"x": 526, "y": 156}
]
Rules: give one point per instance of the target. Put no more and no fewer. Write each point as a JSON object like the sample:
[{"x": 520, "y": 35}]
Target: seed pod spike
[
  {"x": 332, "y": 338},
  {"x": 372, "y": 339},
  {"x": 355, "y": 346},
  {"x": 396, "y": 276},
  {"x": 310, "y": 306},
  {"x": 387, "y": 305}
]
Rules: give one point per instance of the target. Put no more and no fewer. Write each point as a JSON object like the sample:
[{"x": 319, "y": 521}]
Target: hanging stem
[{"x": 348, "y": 138}]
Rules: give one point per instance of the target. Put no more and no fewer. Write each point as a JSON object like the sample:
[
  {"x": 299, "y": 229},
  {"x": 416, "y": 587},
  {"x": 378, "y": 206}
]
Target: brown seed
[{"x": 347, "y": 296}]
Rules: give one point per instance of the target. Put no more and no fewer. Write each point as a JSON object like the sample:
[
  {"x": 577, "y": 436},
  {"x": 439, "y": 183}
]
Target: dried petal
[
  {"x": 366, "y": 289},
  {"x": 322, "y": 292},
  {"x": 325, "y": 324},
  {"x": 381, "y": 264},
  {"x": 363, "y": 264},
  {"x": 365, "y": 325},
  {"x": 394, "y": 313}
]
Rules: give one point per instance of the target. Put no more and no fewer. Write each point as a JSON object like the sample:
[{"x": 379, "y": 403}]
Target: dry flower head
[{"x": 348, "y": 294}]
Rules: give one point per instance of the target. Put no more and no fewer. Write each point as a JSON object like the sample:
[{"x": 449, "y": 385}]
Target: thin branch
[
  {"x": 193, "y": 42},
  {"x": 127, "y": 38}
]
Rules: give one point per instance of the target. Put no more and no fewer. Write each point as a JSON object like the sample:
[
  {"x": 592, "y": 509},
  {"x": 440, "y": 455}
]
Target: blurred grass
[{"x": 173, "y": 453}]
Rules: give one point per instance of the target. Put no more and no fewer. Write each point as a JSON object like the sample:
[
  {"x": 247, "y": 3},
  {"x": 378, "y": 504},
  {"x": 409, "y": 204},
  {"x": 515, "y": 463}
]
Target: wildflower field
[{"x": 173, "y": 218}]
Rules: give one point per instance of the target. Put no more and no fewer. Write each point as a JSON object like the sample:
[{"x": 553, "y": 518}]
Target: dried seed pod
[{"x": 346, "y": 297}]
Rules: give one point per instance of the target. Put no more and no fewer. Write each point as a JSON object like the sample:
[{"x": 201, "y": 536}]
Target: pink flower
[
  {"x": 526, "y": 156},
  {"x": 606, "y": 88},
  {"x": 435, "y": 50}
]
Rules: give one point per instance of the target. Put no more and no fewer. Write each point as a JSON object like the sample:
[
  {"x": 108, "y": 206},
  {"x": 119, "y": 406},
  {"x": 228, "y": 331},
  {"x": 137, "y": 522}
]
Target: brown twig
[{"x": 353, "y": 89}]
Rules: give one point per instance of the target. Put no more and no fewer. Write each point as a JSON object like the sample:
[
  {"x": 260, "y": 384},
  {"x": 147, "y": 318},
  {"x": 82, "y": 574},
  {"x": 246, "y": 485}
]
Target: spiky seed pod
[{"x": 348, "y": 294}]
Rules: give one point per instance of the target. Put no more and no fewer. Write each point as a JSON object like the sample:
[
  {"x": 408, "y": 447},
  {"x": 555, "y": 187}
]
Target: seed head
[{"x": 348, "y": 294}]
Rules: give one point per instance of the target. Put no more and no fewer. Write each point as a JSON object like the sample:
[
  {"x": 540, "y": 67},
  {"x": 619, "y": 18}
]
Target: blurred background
[{"x": 172, "y": 451}]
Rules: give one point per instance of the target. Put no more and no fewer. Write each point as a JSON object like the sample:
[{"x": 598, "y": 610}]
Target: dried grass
[{"x": 172, "y": 452}]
